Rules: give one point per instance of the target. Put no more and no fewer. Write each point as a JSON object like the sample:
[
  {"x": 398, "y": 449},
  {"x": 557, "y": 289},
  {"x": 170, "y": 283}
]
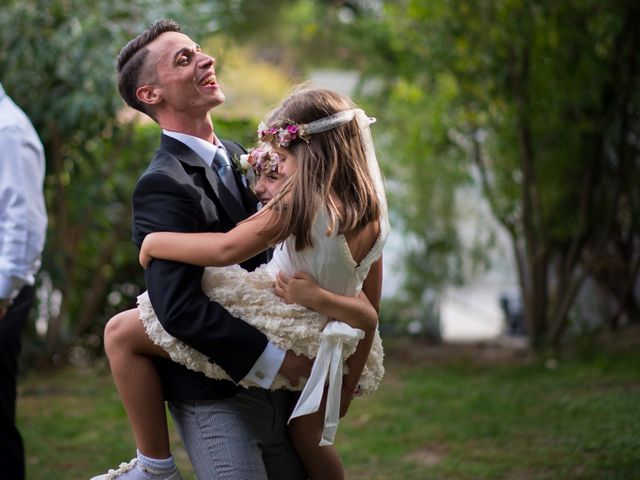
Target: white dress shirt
[
  {"x": 23, "y": 217},
  {"x": 266, "y": 367}
]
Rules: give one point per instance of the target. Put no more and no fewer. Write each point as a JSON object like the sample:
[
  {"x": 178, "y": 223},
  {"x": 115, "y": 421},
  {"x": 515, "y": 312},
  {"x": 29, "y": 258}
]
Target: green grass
[{"x": 437, "y": 418}]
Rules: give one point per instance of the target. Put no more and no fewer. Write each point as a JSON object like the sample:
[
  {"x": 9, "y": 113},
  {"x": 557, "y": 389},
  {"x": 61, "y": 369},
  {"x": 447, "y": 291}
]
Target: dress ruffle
[{"x": 250, "y": 297}]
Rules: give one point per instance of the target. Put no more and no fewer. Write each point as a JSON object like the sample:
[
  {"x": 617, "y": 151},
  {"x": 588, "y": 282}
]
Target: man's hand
[{"x": 295, "y": 366}]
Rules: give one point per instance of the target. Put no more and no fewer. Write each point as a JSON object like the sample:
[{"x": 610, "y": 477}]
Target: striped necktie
[{"x": 224, "y": 170}]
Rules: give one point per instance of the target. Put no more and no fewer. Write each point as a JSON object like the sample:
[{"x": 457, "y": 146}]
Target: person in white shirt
[{"x": 23, "y": 224}]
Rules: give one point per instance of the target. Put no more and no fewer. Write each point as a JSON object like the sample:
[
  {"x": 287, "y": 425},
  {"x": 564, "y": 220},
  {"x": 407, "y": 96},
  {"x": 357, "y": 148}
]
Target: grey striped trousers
[{"x": 239, "y": 438}]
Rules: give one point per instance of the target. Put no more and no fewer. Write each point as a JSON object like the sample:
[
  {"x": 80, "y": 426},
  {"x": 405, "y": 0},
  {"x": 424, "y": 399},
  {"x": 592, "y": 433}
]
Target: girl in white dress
[{"x": 329, "y": 224}]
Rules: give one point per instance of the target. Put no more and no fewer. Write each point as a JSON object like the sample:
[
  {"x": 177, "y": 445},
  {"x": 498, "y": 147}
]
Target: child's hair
[{"x": 329, "y": 162}]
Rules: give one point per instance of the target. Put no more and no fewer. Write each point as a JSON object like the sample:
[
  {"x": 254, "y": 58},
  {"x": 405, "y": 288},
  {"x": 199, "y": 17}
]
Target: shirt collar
[{"x": 204, "y": 149}]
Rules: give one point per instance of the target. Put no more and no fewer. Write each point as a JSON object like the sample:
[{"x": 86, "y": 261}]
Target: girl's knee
[{"x": 119, "y": 329}]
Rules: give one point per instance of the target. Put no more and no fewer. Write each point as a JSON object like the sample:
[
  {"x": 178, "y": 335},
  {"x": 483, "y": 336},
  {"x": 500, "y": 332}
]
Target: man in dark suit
[{"x": 228, "y": 432}]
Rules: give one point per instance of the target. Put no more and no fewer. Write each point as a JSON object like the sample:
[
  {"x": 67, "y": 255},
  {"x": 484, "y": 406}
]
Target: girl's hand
[
  {"x": 347, "y": 394},
  {"x": 301, "y": 288}
]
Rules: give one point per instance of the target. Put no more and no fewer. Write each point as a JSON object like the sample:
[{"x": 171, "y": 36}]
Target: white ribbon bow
[{"x": 328, "y": 362}]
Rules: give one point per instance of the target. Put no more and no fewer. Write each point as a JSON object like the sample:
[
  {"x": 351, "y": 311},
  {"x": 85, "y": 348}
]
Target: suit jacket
[{"x": 179, "y": 192}]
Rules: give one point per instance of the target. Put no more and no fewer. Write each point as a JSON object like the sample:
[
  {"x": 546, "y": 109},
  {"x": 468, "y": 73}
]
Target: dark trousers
[{"x": 11, "y": 328}]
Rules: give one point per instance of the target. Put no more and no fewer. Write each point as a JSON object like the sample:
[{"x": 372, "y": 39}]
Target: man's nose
[{"x": 206, "y": 60}]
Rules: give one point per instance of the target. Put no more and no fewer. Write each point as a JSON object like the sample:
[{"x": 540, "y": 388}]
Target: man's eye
[{"x": 183, "y": 60}]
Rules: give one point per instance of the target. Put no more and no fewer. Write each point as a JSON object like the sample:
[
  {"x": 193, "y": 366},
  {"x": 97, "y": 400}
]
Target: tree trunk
[
  {"x": 533, "y": 228},
  {"x": 100, "y": 284},
  {"x": 58, "y": 239}
]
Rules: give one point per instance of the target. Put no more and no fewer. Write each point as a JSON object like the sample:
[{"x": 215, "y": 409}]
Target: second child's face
[
  {"x": 288, "y": 163},
  {"x": 269, "y": 182}
]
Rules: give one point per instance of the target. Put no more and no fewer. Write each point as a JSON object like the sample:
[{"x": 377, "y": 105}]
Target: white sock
[{"x": 162, "y": 465}]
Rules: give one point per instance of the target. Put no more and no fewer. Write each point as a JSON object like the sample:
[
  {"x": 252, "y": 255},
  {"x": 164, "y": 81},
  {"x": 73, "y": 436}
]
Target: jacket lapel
[
  {"x": 234, "y": 151},
  {"x": 232, "y": 207}
]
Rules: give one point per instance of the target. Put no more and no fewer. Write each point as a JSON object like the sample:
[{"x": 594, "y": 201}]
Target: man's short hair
[{"x": 131, "y": 59}]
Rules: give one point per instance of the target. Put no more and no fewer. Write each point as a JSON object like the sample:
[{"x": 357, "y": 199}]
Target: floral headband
[
  {"x": 283, "y": 136},
  {"x": 261, "y": 158}
]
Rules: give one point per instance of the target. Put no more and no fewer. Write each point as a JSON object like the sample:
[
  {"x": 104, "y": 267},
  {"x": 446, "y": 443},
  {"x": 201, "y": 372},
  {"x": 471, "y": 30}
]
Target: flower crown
[
  {"x": 261, "y": 158},
  {"x": 282, "y": 136}
]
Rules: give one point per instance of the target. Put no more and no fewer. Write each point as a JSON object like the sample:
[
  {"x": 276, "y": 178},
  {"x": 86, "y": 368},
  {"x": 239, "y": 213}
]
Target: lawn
[{"x": 450, "y": 413}]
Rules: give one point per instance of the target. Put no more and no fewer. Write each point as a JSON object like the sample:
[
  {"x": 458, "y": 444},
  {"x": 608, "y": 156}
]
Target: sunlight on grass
[{"x": 450, "y": 419}]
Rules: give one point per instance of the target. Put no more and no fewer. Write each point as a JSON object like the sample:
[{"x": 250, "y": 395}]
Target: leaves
[
  {"x": 58, "y": 63},
  {"x": 536, "y": 102}
]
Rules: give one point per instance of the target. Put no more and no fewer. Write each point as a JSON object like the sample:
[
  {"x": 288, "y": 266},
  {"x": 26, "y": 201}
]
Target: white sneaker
[{"x": 133, "y": 471}]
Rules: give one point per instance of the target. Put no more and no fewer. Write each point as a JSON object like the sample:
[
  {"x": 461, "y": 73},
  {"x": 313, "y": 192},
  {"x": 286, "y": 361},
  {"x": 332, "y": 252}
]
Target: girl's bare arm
[
  {"x": 302, "y": 289},
  {"x": 372, "y": 287},
  {"x": 246, "y": 240},
  {"x": 359, "y": 312}
]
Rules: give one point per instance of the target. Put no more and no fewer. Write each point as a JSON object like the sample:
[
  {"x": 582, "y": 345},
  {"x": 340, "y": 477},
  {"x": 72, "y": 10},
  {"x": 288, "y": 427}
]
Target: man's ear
[{"x": 148, "y": 94}]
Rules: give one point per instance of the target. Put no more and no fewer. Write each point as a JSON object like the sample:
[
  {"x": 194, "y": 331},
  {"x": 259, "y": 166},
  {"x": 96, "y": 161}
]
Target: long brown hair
[{"x": 331, "y": 163}]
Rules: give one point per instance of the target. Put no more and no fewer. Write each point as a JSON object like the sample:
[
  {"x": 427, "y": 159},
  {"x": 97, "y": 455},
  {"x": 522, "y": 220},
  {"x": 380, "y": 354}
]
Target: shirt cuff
[{"x": 266, "y": 368}]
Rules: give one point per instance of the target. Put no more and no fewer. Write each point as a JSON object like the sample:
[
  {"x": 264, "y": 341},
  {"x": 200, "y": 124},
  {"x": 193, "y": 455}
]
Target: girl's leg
[
  {"x": 321, "y": 463},
  {"x": 356, "y": 363},
  {"x": 306, "y": 431},
  {"x": 129, "y": 350}
]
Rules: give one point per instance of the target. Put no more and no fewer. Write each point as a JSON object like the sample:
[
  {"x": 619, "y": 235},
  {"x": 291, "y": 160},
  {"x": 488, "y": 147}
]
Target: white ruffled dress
[{"x": 250, "y": 296}]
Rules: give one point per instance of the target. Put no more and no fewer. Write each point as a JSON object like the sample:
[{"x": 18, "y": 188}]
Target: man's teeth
[{"x": 210, "y": 80}]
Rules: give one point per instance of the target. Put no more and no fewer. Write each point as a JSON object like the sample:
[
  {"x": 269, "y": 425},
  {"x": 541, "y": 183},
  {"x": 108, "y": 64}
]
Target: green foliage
[
  {"x": 50, "y": 69},
  {"x": 57, "y": 60},
  {"x": 242, "y": 130},
  {"x": 549, "y": 111},
  {"x": 58, "y": 63},
  {"x": 535, "y": 101},
  {"x": 425, "y": 167},
  {"x": 93, "y": 261},
  {"x": 459, "y": 416}
]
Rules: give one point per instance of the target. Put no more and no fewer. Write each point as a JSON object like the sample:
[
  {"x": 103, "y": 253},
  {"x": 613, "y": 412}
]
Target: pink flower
[
  {"x": 282, "y": 136},
  {"x": 285, "y": 138}
]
